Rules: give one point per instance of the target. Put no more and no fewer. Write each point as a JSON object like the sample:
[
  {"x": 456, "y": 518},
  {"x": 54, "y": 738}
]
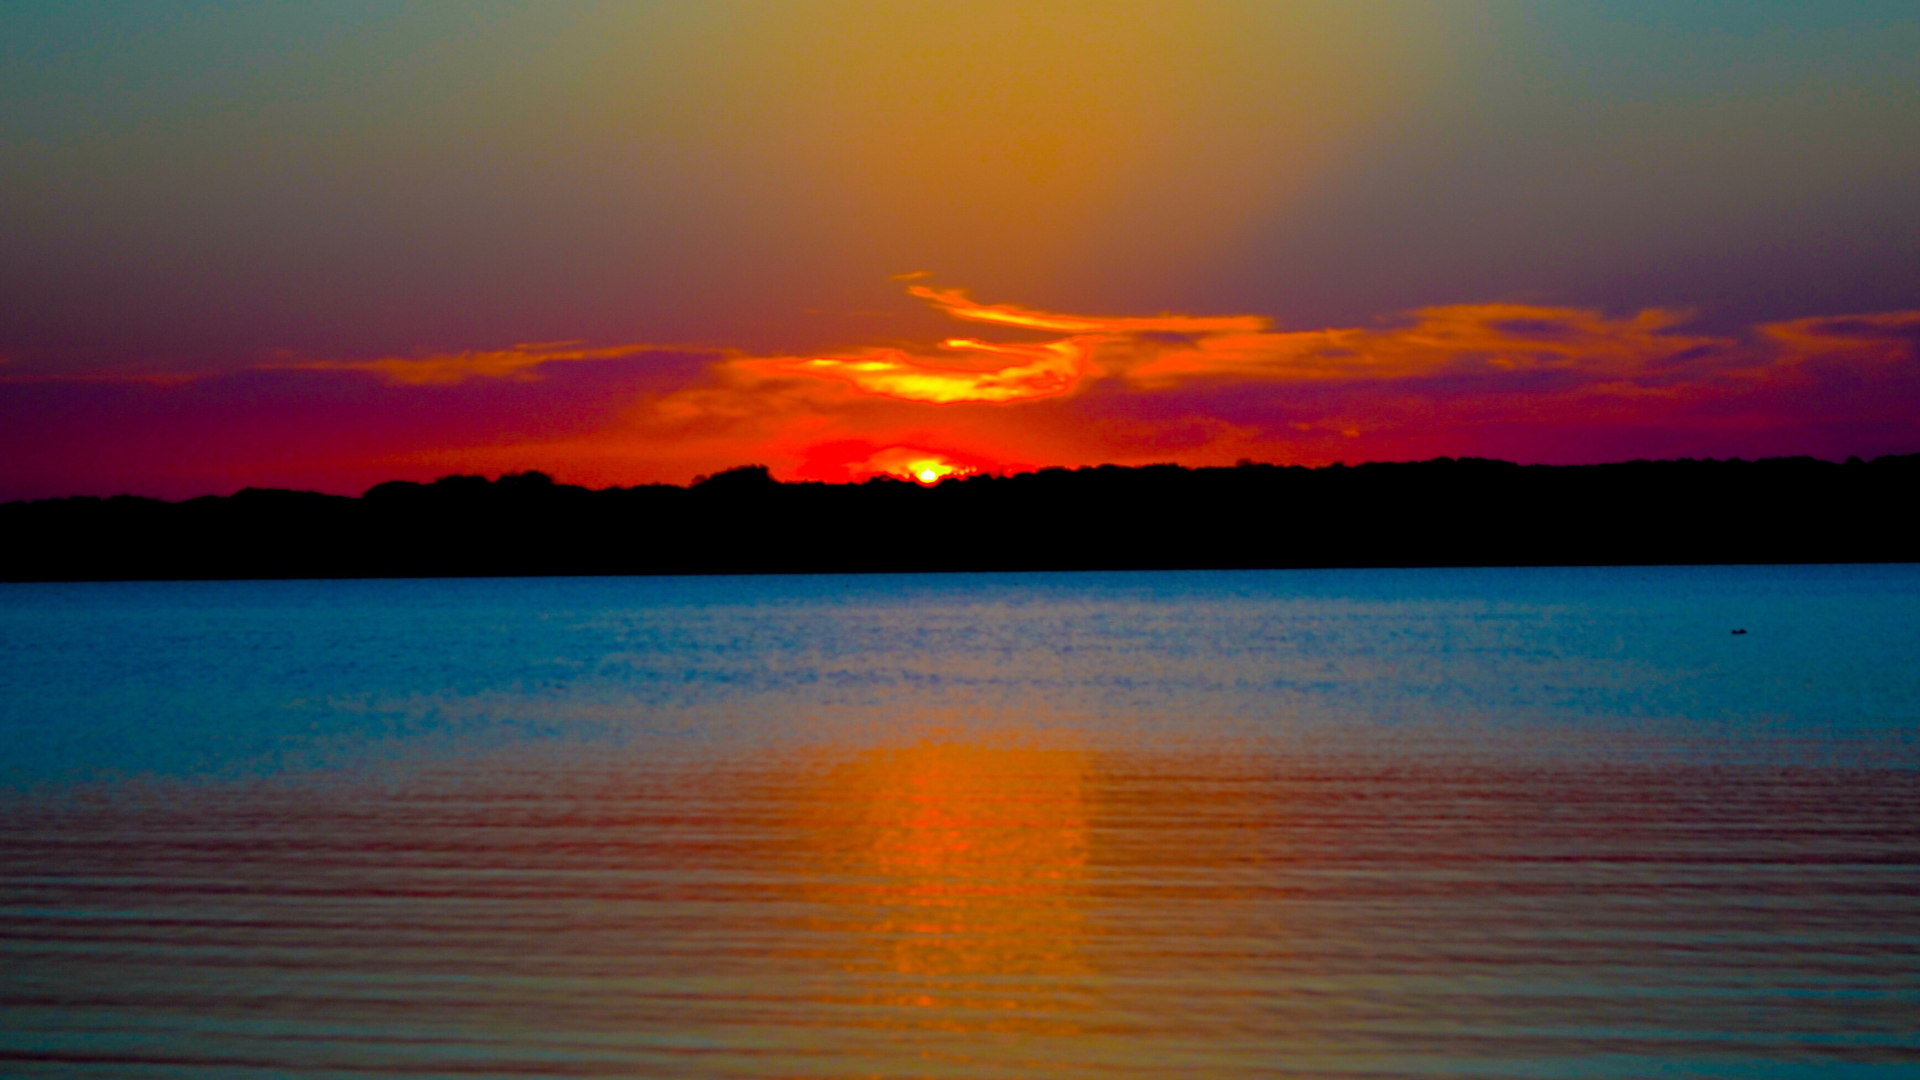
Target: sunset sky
[{"x": 326, "y": 245}]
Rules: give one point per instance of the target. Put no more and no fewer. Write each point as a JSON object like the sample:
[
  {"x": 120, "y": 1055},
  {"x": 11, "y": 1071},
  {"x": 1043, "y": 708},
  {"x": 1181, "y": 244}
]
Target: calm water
[{"x": 1526, "y": 823}]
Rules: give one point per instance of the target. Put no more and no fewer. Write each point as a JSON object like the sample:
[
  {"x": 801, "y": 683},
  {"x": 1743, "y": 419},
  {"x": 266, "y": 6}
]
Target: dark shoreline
[{"x": 1445, "y": 512}]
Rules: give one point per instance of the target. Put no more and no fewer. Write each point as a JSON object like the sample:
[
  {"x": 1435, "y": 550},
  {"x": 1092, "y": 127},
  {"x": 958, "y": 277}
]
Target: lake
[{"x": 1446, "y": 823}]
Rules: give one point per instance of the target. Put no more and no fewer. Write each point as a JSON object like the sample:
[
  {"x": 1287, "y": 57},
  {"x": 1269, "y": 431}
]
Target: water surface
[{"x": 1348, "y": 823}]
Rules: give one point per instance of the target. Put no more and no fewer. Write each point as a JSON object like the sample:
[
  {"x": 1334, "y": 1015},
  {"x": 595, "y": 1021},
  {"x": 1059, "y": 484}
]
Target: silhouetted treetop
[{"x": 739, "y": 478}]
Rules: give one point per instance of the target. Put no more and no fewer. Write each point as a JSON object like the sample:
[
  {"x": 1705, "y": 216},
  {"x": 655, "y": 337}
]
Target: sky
[{"x": 324, "y": 246}]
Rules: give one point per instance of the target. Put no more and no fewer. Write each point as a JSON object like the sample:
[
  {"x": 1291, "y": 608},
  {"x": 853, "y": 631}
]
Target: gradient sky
[{"x": 323, "y": 246}]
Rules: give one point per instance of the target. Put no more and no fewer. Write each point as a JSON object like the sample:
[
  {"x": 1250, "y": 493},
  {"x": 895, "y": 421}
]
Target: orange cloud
[
  {"x": 1873, "y": 340},
  {"x": 1461, "y": 340},
  {"x": 1027, "y": 371},
  {"x": 1156, "y": 352},
  {"x": 446, "y": 369},
  {"x": 1206, "y": 386},
  {"x": 956, "y": 303}
]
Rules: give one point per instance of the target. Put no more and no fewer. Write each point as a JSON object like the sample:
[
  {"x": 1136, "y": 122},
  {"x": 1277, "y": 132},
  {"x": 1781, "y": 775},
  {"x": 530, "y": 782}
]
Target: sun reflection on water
[{"x": 954, "y": 877}]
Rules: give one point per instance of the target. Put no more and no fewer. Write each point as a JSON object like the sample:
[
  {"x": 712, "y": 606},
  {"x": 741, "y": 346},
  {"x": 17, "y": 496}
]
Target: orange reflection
[{"x": 956, "y": 872}]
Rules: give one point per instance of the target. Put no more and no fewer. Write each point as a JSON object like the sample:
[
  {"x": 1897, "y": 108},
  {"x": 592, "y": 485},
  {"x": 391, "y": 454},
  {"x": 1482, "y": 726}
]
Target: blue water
[{"x": 1540, "y": 822}]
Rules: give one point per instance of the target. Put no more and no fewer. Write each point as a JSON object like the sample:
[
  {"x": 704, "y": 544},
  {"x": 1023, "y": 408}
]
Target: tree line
[{"x": 1444, "y": 512}]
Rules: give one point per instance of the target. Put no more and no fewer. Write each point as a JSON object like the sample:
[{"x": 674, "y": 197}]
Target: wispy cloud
[
  {"x": 1464, "y": 344},
  {"x": 1870, "y": 340},
  {"x": 519, "y": 362},
  {"x": 1005, "y": 372},
  {"x": 958, "y": 304},
  {"x": 1214, "y": 379},
  {"x": 446, "y": 369},
  {"x": 1463, "y": 341}
]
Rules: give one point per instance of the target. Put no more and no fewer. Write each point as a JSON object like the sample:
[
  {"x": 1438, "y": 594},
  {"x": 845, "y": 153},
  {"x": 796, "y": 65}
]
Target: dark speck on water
[{"x": 1458, "y": 823}]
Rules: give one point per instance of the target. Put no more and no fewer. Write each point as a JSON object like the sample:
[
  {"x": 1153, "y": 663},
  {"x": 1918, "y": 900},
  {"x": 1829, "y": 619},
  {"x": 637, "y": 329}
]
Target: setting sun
[
  {"x": 915, "y": 463},
  {"x": 930, "y": 471}
]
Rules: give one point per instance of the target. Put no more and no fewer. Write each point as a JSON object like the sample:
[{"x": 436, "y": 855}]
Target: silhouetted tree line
[{"x": 1445, "y": 512}]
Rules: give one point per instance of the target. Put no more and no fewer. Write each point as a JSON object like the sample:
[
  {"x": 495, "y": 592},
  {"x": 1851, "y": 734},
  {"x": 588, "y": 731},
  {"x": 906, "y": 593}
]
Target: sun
[
  {"x": 927, "y": 471},
  {"x": 928, "y": 468}
]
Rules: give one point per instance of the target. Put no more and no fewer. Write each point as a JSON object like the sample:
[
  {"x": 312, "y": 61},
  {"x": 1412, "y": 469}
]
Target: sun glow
[
  {"x": 924, "y": 467},
  {"x": 930, "y": 472}
]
